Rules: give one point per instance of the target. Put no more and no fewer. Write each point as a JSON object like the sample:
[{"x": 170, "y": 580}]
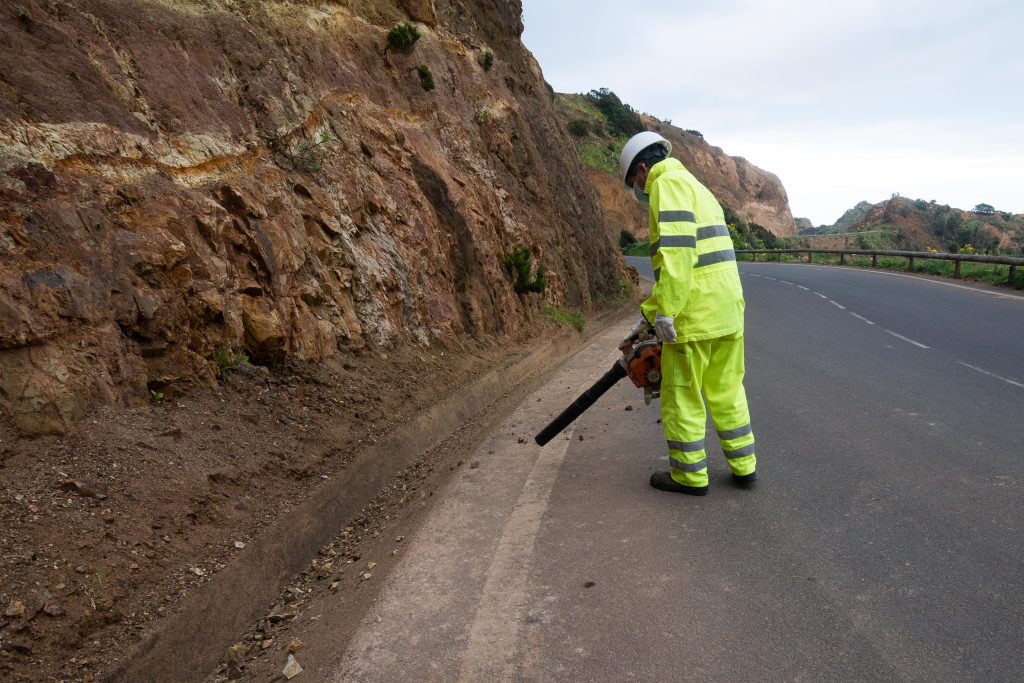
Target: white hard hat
[{"x": 637, "y": 144}]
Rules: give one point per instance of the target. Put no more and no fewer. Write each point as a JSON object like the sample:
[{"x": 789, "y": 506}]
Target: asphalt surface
[{"x": 884, "y": 542}]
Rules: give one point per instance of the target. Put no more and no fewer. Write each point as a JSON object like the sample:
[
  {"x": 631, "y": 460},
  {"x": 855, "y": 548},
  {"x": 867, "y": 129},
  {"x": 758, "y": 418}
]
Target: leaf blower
[{"x": 641, "y": 362}]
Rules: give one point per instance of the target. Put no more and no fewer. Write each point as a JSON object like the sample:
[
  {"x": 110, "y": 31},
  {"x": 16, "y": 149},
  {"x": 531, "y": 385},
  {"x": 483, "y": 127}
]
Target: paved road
[{"x": 884, "y": 543}]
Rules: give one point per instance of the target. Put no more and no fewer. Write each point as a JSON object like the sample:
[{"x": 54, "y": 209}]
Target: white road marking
[
  {"x": 909, "y": 341},
  {"x": 785, "y": 282},
  {"x": 920, "y": 278},
  {"x": 860, "y": 317},
  {"x": 806, "y": 289},
  {"x": 496, "y": 625},
  {"x": 769, "y": 277},
  {"x": 821, "y": 295},
  {"x": 837, "y": 305},
  {"x": 990, "y": 374}
]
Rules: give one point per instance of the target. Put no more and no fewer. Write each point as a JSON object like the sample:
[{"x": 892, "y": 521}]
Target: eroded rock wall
[
  {"x": 756, "y": 195},
  {"x": 181, "y": 177}
]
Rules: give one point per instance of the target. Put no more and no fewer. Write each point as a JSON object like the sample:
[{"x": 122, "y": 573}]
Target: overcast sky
[{"x": 844, "y": 101}]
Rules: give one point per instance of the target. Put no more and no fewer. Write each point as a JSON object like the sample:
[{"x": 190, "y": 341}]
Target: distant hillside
[
  {"x": 918, "y": 225},
  {"x": 600, "y": 125}
]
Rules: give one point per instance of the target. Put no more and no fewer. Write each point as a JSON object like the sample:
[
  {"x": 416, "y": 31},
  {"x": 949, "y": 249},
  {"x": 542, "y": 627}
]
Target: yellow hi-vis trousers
[{"x": 716, "y": 367}]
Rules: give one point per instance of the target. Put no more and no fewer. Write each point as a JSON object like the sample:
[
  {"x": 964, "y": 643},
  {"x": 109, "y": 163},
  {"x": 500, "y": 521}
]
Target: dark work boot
[
  {"x": 745, "y": 481},
  {"x": 665, "y": 482}
]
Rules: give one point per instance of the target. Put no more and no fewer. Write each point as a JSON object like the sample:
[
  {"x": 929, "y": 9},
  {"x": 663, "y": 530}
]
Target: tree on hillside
[
  {"x": 984, "y": 209},
  {"x": 622, "y": 118}
]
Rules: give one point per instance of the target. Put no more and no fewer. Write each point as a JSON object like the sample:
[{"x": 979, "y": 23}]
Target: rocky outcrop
[
  {"x": 752, "y": 193},
  {"x": 181, "y": 178}
]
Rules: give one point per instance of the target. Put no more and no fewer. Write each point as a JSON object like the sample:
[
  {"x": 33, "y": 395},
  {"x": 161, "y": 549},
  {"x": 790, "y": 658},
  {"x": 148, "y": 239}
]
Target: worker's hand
[
  {"x": 665, "y": 328},
  {"x": 626, "y": 344}
]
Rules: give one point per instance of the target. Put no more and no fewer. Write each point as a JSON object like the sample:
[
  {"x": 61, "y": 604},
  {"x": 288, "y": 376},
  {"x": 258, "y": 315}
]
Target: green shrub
[
  {"x": 694, "y": 132},
  {"x": 519, "y": 265},
  {"x": 574, "y": 318},
  {"x": 229, "y": 360},
  {"x": 426, "y": 77},
  {"x": 621, "y": 117},
  {"x": 403, "y": 37},
  {"x": 484, "y": 116},
  {"x": 487, "y": 60},
  {"x": 626, "y": 239},
  {"x": 638, "y": 248},
  {"x": 579, "y": 127}
]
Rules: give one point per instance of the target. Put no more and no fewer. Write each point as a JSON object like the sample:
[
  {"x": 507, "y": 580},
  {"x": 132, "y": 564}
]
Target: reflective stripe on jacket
[{"x": 696, "y": 280}]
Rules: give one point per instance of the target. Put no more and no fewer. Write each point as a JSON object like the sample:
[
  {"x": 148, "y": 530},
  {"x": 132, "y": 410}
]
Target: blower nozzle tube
[{"x": 581, "y": 404}]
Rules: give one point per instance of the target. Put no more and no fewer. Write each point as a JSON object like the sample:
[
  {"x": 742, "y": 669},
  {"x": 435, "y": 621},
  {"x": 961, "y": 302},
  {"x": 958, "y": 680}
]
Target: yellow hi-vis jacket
[{"x": 695, "y": 276}]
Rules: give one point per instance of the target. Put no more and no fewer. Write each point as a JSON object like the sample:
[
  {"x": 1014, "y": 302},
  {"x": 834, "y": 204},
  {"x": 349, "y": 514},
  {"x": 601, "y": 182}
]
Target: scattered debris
[
  {"x": 294, "y": 646},
  {"x": 277, "y": 616},
  {"x": 475, "y": 464},
  {"x": 522, "y": 440},
  {"x": 581, "y": 437},
  {"x": 15, "y": 610},
  {"x": 53, "y": 610},
  {"x": 84, "y": 488},
  {"x": 589, "y": 584},
  {"x": 198, "y": 571},
  {"x": 174, "y": 432},
  {"x": 240, "y": 545},
  {"x": 292, "y": 668},
  {"x": 629, "y": 408},
  {"x": 21, "y": 646}
]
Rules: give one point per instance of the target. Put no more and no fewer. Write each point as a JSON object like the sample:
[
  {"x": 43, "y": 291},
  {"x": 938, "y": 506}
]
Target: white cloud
[{"x": 844, "y": 102}]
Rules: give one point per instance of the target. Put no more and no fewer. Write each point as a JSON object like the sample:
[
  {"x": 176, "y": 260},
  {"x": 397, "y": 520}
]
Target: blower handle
[{"x": 581, "y": 404}]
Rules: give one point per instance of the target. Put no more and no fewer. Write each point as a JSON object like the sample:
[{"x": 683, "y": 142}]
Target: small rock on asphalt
[
  {"x": 628, "y": 408},
  {"x": 589, "y": 584}
]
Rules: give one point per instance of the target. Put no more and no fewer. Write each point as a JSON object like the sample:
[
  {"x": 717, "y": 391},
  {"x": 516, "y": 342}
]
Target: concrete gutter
[{"x": 188, "y": 645}]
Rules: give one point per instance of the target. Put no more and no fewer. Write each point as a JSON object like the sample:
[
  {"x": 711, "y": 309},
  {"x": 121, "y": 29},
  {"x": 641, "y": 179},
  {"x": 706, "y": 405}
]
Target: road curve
[{"x": 884, "y": 543}]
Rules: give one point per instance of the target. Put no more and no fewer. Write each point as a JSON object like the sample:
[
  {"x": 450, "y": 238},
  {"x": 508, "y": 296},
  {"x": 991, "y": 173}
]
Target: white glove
[{"x": 665, "y": 328}]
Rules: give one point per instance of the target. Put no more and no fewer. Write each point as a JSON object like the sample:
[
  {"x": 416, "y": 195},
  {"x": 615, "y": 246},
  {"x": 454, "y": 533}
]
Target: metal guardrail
[{"x": 911, "y": 256}]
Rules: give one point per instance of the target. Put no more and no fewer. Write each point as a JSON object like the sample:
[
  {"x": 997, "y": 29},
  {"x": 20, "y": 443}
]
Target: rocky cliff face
[
  {"x": 178, "y": 178},
  {"x": 754, "y": 194}
]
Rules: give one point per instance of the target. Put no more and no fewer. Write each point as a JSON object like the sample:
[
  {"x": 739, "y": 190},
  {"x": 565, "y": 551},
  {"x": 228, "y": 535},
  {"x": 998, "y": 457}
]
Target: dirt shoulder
[{"x": 108, "y": 529}]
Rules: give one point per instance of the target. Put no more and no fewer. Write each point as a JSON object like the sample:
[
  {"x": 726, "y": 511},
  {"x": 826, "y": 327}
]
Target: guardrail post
[
  {"x": 1013, "y": 276},
  {"x": 810, "y": 258},
  {"x": 910, "y": 267},
  {"x": 956, "y": 269},
  {"x": 753, "y": 256},
  {"x": 842, "y": 259},
  {"x": 874, "y": 260}
]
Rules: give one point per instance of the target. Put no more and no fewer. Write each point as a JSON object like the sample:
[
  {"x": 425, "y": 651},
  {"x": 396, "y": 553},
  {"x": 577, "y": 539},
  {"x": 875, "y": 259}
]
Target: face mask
[{"x": 641, "y": 196}]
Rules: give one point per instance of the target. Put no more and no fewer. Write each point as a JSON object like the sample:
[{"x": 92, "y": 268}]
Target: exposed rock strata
[{"x": 182, "y": 177}]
